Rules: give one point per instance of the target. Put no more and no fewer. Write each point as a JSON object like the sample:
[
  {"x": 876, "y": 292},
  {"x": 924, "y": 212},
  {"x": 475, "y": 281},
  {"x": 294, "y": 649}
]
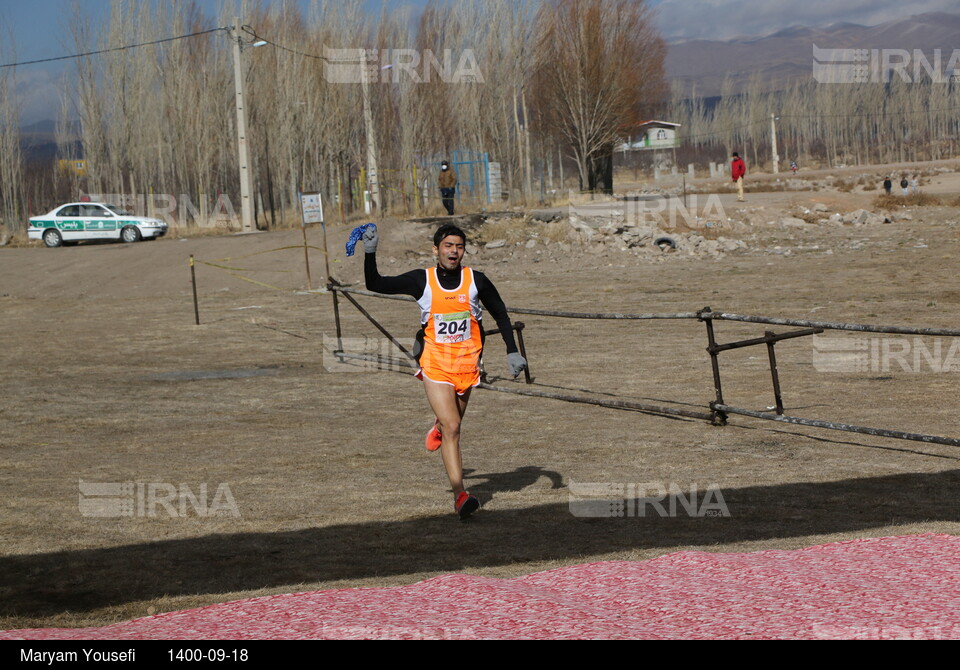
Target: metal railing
[{"x": 719, "y": 410}]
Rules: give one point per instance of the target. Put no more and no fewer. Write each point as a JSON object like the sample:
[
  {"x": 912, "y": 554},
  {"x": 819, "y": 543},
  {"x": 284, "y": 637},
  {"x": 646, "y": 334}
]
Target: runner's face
[{"x": 450, "y": 252}]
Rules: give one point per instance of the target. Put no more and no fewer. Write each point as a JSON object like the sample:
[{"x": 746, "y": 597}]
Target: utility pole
[
  {"x": 373, "y": 181},
  {"x": 773, "y": 143},
  {"x": 246, "y": 202}
]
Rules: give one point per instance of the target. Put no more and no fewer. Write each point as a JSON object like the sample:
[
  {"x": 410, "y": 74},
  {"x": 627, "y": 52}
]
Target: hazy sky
[
  {"x": 725, "y": 19},
  {"x": 35, "y": 29}
]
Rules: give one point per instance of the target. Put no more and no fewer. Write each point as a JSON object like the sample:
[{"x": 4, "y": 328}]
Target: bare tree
[
  {"x": 598, "y": 66},
  {"x": 557, "y": 78},
  {"x": 11, "y": 171},
  {"x": 834, "y": 124}
]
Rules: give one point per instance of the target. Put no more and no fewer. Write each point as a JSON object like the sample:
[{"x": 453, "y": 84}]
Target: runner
[{"x": 450, "y": 339}]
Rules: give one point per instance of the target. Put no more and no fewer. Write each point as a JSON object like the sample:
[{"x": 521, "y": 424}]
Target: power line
[
  {"x": 725, "y": 131},
  {"x": 260, "y": 38},
  {"x": 881, "y": 114},
  {"x": 103, "y": 51}
]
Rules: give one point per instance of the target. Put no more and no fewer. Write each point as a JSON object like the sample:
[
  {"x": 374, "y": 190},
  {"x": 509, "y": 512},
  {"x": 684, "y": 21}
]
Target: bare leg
[{"x": 449, "y": 408}]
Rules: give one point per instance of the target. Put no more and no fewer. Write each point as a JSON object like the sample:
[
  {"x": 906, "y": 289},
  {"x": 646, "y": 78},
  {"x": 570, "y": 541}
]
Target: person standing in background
[
  {"x": 448, "y": 185},
  {"x": 737, "y": 170}
]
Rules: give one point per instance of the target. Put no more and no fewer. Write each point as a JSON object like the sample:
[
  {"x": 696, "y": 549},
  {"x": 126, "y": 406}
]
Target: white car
[{"x": 92, "y": 221}]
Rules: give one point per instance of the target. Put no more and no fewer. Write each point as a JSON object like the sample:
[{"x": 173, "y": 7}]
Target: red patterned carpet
[{"x": 879, "y": 588}]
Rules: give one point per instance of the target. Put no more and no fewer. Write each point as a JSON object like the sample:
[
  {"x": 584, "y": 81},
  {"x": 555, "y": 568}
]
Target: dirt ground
[{"x": 311, "y": 474}]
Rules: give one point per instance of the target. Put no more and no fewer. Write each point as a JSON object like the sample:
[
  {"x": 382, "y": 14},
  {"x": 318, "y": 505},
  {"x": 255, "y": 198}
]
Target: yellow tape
[
  {"x": 227, "y": 267},
  {"x": 260, "y": 283},
  {"x": 233, "y": 271},
  {"x": 268, "y": 251}
]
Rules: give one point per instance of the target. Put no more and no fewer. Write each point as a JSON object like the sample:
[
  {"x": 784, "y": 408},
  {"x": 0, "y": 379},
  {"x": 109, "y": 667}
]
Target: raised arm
[{"x": 410, "y": 283}]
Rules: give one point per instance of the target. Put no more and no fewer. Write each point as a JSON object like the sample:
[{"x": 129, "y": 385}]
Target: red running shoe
[
  {"x": 433, "y": 437},
  {"x": 465, "y": 505}
]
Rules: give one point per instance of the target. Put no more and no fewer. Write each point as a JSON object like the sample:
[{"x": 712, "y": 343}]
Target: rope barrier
[
  {"x": 862, "y": 328},
  {"x": 602, "y": 315},
  {"x": 536, "y": 312},
  {"x": 699, "y": 315},
  {"x": 718, "y": 409}
]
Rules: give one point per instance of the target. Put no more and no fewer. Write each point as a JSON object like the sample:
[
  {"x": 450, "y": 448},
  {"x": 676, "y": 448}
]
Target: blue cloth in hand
[{"x": 355, "y": 236}]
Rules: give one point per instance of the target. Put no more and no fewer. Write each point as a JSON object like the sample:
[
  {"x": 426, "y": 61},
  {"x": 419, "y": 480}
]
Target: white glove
[
  {"x": 370, "y": 238},
  {"x": 517, "y": 363}
]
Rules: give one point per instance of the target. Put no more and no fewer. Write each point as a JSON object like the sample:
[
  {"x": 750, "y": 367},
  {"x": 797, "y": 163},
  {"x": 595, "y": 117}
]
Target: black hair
[{"x": 446, "y": 230}]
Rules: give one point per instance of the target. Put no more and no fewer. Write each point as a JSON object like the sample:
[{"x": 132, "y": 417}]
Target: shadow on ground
[{"x": 45, "y": 584}]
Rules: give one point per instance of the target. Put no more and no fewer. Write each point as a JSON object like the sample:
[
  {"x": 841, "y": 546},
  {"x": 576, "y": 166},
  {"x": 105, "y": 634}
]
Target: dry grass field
[{"x": 323, "y": 479}]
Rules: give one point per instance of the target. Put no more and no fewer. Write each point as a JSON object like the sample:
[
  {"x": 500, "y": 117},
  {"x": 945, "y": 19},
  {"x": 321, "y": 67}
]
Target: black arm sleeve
[
  {"x": 491, "y": 300},
  {"x": 410, "y": 283}
]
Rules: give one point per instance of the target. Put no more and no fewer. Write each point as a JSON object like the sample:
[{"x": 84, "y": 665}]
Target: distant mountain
[
  {"x": 782, "y": 58},
  {"x": 45, "y": 127},
  {"x": 38, "y": 141}
]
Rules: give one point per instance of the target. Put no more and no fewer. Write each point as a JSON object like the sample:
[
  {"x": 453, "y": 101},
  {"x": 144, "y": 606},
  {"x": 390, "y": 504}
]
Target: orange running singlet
[{"x": 451, "y": 324}]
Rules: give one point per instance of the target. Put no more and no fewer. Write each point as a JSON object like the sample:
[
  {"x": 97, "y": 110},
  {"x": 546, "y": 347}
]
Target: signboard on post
[
  {"x": 311, "y": 211},
  {"x": 311, "y": 207}
]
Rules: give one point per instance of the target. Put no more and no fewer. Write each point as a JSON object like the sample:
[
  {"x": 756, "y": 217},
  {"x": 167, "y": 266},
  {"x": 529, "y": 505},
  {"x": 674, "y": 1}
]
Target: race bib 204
[{"x": 449, "y": 328}]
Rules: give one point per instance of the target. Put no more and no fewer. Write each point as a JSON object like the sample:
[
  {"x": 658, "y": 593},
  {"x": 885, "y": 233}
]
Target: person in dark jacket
[{"x": 448, "y": 185}]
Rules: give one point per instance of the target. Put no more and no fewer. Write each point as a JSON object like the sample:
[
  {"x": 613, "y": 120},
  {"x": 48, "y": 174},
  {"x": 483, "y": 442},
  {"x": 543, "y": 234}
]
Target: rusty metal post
[
  {"x": 193, "y": 280},
  {"x": 519, "y": 326},
  {"x": 778, "y": 398},
  {"x": 718, "y": 417},
  {"x": 332, "y": 287},
  {"x": 306, "y": 256},
  {"x": 766, "y": 339},
  {"x": 378, "y": 326}
]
